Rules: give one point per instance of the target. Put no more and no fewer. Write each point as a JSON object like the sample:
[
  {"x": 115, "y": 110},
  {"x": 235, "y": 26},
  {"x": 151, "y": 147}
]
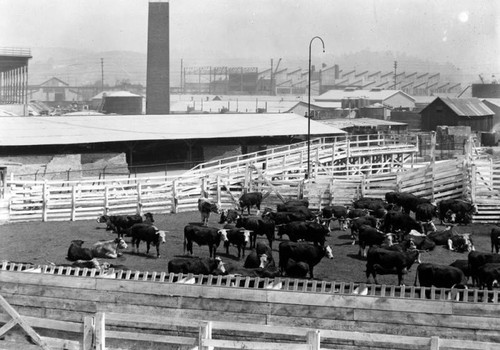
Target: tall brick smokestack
[{"x": 158, "y": 69}]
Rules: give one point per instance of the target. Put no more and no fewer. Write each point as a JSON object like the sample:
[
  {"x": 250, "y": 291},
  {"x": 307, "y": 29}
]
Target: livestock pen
[{"x": 116, "y": 310}]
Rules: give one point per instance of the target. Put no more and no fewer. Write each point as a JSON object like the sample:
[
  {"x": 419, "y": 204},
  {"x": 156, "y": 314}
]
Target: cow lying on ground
[
  {"x": 77, "y": 252},
  {"x": 202, "y": 235},
  {"x": 460, "y": 242},
  {"x": 197, "y": 266},
  {"x": 237, "y": 237},
  {"x": 261, "y": 257},
  {"x": 304, "y": 252},
  {"x": 228, "y": 216},
  {"x": 108, "y": 249},
  {"x": 149, "y": 234},
  {"x": 249, "y": 200},
  {"x": 205, "y": 207},
  {"x": 385, "y": 261}
]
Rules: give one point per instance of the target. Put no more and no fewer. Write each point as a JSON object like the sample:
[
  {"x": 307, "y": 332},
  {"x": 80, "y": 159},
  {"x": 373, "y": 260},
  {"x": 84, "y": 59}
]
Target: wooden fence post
[
  {"x": 205, "y": 333},
  {"x": 219, "y": 202},
  {"x": 434, "y": 343},
  {"x": 174, "y": 196},
  {"x": 313, "y": 339},
  {"x": 45, "y": 202},
  {"x": 473, "y": 183},
  {"x": 100, "y": 331},
  {"x": 139, "y": 198},
  {"x": 88, "y": 333},
  {"x": 73, "y": 203},
  {"x": 106, "y": 200}
]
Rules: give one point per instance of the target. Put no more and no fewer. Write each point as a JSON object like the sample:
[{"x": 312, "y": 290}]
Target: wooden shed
[{"x": 457, "y": 112}]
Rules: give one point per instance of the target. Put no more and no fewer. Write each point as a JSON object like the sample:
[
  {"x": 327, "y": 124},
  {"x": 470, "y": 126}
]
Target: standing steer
[
  {"x": 386, "y": 261},
  {"x": 149, "y": 234},
  {"x": 248, "y": 200},
  {"x": 370, "y": 236},
  {"x": 334, "y": 212},
  {"x": 478, "y": 259},
  {"x": 458, "y": 210},
  {"x": 304, "y": 230},
  {"x": 495, "y": 239},
  {"x": 209, "y": 236},
  {"x": 205, "y": 207},
  {"x": 259, "y": 226},
  {"x": 304, "y": 252},
  {"x": 237, "y": 237},
  {"x": 440, "y": 276}
]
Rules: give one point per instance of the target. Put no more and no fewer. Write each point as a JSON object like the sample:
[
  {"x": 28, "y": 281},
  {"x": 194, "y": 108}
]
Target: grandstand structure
[{"x": 286, "y": 81}]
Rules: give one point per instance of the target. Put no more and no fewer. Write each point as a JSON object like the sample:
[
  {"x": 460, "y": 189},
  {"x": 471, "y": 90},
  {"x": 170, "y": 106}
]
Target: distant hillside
[{"x": 79, "y": 67}]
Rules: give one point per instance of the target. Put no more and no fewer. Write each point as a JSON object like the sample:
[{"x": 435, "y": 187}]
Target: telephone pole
[
  {"x": 102, "y": 74},
  {"x": 395, "y": 74}
]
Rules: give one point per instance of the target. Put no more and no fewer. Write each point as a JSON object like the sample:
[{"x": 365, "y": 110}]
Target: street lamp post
[{"x": 308, "y": 174}]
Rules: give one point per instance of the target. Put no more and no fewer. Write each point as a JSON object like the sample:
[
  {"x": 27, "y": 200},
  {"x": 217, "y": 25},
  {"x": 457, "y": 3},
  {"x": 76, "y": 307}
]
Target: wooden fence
[{"x": 122, "y": 311}]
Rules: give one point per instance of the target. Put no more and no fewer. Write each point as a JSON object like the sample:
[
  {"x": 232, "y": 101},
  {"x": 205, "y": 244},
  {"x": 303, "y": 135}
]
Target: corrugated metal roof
[
  {"x": 29, "y": 131},
  {"x": 467, "y": 107},
  {"x": 343, "y": 123},
  {"x": 336, "y": 95}
]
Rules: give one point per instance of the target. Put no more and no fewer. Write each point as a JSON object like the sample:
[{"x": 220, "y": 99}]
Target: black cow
[
  {"x": 296, "y": 203},
  {"x": 149, "y": 234},
  {"x": 258, "y": 226},
  {"x": 439, "y": 276},
  {"x": 237, "y": 237},
  {"x": 495, "y": 239},
  {"x": 261, "y": 257},
  {"x": 371, "y": 204},
  {"x": 296, "y": 269},
  {"x": 304, "y": 230},
  {"x": 77, "y": 252},
  {"x": 228, "y": 216},
  {"x": 356, "y": 213},
  {"x": 408, "y": 201},
  {"x": 305, "y": 252},
  {"x": 250, "y": 199},
  {"x": 119, "y": 223},
  {"x": 478, "y": 259},
  {"x": 202, "y": 235},
  {"x": 462, "y": 264},
  {"x": 396, "y": 221},
  {"x": 334, "y": 212},
  {"x": 488, "y": 274},
  {"x": 304, "y": 211},
  {"x": 453, "y": 240},
  {"x": 418, "y": 242},
  {"x": 370, "y": 236},
  {"x": 456, "y": 211},
  {"x": 197, "y": 266},
  {"x": 385, "y": 261},
  {"x": 358, "y": 222},
  {"x": 205, "y": 207},
  {"x": 284, "y": 217}
]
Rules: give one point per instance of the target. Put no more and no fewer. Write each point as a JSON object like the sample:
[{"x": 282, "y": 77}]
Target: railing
[
  {"x": 15, "y": 51},
  {"x": 283, "y": 284}
]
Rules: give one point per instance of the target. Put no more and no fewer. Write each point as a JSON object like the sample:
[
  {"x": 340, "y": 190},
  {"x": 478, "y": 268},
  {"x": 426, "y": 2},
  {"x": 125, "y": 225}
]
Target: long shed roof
[
  {"x": 55, "y": 130},
  {"x": 467, "y": 107}
]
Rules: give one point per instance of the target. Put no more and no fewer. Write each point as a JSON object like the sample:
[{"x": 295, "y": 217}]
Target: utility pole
[
  {"x": 102, "y": 74},
  {"x": 395, "y": 74}
]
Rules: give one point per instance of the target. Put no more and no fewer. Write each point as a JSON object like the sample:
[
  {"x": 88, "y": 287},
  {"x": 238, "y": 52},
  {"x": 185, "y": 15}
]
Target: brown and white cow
[{"x": 108, "y": 249}]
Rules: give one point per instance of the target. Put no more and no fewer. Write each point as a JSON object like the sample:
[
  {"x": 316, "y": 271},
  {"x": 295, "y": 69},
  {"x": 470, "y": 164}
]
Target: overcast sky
[{"x": 463, "y": 32}]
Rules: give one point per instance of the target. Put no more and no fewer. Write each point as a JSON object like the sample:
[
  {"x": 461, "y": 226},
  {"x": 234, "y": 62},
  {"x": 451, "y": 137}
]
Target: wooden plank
[
  {"x": 150, "y": 337},
  {"x": 232, "y": 344}
]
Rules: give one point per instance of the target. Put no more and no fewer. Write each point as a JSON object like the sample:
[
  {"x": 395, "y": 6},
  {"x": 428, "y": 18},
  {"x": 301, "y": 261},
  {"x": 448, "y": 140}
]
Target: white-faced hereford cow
[
  {"x": 108, "y": 249},
  {"x": 149, "y": 234},
  {"x": 261, "y": 257},
  {"x": 304, "y": 252},
  {"x": 197, "y": 266},
  {"x": 202, "y": 235},
  {"x": 205, "y": 207},
  {"x": 235, "y": 236},
  {"x": 385, "y": 261}
]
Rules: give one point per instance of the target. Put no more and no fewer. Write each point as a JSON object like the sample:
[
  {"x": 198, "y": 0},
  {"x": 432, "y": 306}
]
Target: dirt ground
[{"x": 48, "y": 242}]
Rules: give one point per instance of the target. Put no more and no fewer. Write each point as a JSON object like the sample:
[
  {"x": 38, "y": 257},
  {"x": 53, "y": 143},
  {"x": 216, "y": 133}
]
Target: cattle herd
[{"x": 391, "y": 234}]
